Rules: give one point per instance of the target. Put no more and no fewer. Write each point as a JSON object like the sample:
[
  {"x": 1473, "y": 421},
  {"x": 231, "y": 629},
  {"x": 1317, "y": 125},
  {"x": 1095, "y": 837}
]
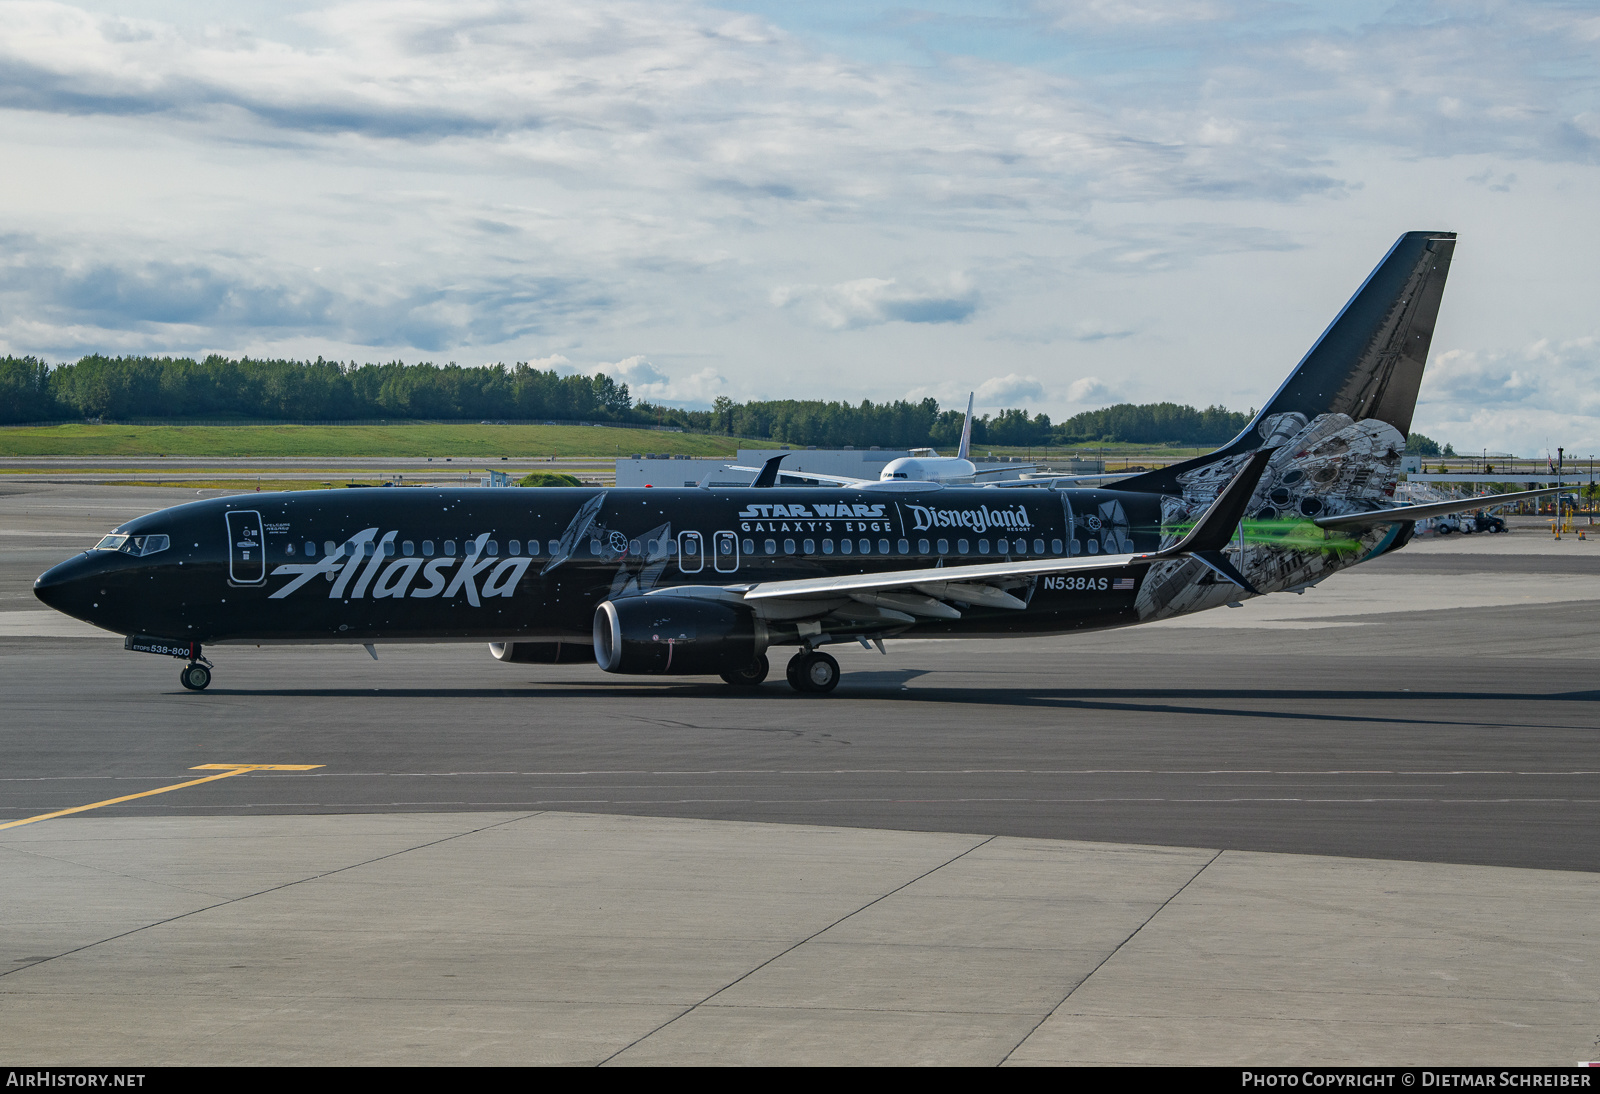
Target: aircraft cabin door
[
  {"x": 247, "y": 556},
  {"x": 725, "y": 552}
]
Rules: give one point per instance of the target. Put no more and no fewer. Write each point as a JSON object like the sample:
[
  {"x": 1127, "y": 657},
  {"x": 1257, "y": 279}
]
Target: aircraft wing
[
  {"x": 936, "y": 575},
  {"x": 1058, "y": 482},
  {"x": 1430, "y": 509},
  {"x": 1004, "y": 470},
  {"x": 801, "y": 476}
]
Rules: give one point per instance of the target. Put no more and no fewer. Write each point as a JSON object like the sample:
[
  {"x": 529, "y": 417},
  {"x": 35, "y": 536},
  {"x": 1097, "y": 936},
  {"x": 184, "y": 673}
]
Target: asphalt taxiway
[{"x": 1353, "y": 826}]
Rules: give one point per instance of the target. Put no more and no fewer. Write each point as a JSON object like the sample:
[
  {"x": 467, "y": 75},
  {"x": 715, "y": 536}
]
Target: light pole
[{"x": 1560, "y": 458}]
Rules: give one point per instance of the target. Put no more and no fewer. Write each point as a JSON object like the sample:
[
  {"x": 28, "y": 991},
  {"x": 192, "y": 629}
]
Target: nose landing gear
[
  {"x": 813, "y": 672},
  {"x": 195, "y": 676}
]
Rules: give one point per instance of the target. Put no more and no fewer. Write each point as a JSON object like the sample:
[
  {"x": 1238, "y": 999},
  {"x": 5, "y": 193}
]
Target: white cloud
[
  {"x": 1089, "y": 392},
  {"x": 1078, "y": 14},
  {"x": 869, "y": 301},
  {"x": 648, "y": 383},
  {"x": 1090, "y": 330},
  {"x": 1143, "y": 249},
  {"x": 1128, "y": 183},
  {"x": 634, "y": 371},
  {"x": 1542, "y": 395},
  {"x": 1008, "y": 391}
]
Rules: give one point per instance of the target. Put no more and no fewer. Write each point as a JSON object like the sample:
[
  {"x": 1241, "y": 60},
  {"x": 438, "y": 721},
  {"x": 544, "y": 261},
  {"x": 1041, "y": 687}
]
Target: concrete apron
[{"x": 567, "y": 938}]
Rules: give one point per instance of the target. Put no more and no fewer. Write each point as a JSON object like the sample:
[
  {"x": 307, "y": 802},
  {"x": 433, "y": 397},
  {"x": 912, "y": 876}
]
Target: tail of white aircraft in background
[
  {"x": 923, "y": 465},
  {"x": 926, "y": 465},
  {"x": 964, "y": 452}
]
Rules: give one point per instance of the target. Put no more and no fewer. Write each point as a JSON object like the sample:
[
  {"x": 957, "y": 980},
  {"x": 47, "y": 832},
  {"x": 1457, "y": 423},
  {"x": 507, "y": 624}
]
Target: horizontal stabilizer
[
  {"x": 1431, "y": 509},
  {"x": 1222, "y": 567}
]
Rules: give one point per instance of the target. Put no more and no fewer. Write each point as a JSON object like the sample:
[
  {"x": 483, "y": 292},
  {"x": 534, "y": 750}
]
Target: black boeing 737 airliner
[{"x": 708, "y": 581}]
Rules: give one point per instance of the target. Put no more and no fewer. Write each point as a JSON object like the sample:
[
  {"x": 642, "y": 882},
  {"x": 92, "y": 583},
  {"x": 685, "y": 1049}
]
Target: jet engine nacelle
[
  {"x": 543, "y": 653},
  {"x": 675, "y": 635}
]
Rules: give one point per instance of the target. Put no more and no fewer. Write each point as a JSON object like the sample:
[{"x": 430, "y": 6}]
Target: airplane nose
[{"x": 68, "y": 587}]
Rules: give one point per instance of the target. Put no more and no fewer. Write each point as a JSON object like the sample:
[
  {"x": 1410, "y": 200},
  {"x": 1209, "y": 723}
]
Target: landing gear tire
[
  {"x": 813, "y": 673},
  {"x": 752, "y": 675},
  {"x": 195, "y": 676}
]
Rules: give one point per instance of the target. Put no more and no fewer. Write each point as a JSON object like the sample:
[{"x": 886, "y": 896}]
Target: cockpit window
[{"x": 137, "y": 546}]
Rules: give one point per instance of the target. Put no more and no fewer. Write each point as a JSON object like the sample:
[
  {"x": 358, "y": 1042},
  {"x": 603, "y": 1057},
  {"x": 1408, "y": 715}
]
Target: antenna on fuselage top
[{"x": 965, "y": 451}]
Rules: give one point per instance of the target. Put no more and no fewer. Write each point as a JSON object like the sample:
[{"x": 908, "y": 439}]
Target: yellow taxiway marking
[
  {"x": 235, "y": 769},
  {"x": 227, "y": 771}
]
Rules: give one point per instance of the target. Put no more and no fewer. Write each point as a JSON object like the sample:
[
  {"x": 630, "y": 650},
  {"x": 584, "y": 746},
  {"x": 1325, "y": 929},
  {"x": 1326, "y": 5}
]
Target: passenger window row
[
  {"x": 514, "y": 548},
  {"x": 903, "y": 547},
  {"x": 445, "y": 549}
]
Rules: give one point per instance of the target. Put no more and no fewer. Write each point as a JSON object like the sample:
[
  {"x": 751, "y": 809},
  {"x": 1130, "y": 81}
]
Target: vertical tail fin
[
  {"x": 965, "y": 451},
  {"x": 1368, "y": 363}
]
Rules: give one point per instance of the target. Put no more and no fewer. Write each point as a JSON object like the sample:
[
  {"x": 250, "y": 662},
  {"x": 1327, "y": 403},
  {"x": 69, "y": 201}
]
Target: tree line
[
  {"x": 248, "y": 388},
  {"x": 98, "y": 387}
]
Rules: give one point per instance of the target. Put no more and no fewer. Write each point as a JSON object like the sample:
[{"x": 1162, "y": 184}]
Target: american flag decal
[{"x": 1122, "y": 585}]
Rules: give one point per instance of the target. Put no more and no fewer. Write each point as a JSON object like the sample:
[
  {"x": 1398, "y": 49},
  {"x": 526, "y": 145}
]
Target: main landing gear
[
  {"x": 749, "y": 677},
  {"x": 814, "y": 672},
  {"x": 808, "y": 671}
]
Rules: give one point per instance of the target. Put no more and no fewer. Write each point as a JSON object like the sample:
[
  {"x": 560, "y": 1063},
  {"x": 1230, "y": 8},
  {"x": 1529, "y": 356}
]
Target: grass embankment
[
  {"x": 463, "y": 441},
  {"x": 460, "y": 441},
  {"x": 548, "y": 478},
  {"x": 265, "y": 486},
  {"x": 1117, "y": 456}
]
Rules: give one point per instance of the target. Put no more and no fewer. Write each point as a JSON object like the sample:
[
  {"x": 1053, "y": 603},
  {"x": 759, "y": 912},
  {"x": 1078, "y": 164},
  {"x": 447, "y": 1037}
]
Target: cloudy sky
[{"x": 1060, "y": 203}]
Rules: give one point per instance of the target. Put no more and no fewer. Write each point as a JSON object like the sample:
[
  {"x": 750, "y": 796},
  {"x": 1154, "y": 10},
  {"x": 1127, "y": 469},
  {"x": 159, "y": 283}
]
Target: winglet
[
  {"x": 965, "y": 451},
  {"x": 769, "y": 471},
  {"x": 1216, "y": 527}
]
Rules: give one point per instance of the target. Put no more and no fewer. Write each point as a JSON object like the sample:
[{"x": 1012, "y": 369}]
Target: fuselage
[
  {"x": 706, "y": 580},
  {"x": 941, "y": 469},
  {"x": 428, "y": 564}
]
